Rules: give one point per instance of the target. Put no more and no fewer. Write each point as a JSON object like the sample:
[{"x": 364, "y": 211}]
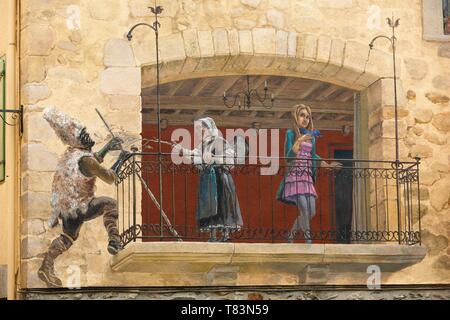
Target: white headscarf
[{"x": 209, "y": 123}]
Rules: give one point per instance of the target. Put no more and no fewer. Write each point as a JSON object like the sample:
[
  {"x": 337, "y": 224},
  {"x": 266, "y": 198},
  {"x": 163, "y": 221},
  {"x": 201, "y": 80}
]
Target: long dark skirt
[{"x": 218, "y": 205}]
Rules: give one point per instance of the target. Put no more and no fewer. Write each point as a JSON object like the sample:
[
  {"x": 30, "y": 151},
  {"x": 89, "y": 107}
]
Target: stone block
[
  {"x": 264, "y": 40},
  {"x": 124, "y": 103},
  {"x": 212, "y": 64},
  {"x": 32, "y": 227},
  {"x": 245, "y": 42},
  {"x": 314, "y": 274},
  {"x": 275, "y": 18},
  {"x": 282, "y": 43},
  {"x": 38, "y": 40},
  {"x": 223, "y": 275},
  {"x": 437, "y": 98},
  {"x": 411, "y": 95},
  {"x": 387, "y": 93},
  {"x": 423, "y": 115},
  {"x": 354, "y": 62},
  {"x": 220, "y": 38},
  {"x": 416, "y": 68},
  {"x": 100, "y": 11},
  {"x": 309, "y": 46},
  {"x": 389, "y": 112},
  {"x": 435, "y": 138},
  {"x": 129, "y": 125},
  {"x": 336, "y": 58},
  {"x": 388, "y": 128},
  {"x": 292, "y": 44},
  {"x": 33, "y": 247},
  {"x": 279, "y": 4},
  {"x": 301, "y": 65},
  {"x": 170, "y": 7},
  {"x": 429, "y": 177},
  {"x": 233, "y": 39},
  {"x": 259, "y": 64},
  {"x": 251, "y": 3},
  {"x": 424, "y": 193},
  {"x": 436, "y": 244},
  {"x": 444, "y": 50},
  {"x": 323, "y": 55},
  {"x": 333, "y": 4},
  {"x": 323, "y": 49},
  {"x": 143, "y": 49},
  {"x": 442, "y": 121},
  {"x": 33, "y": 93},
  {"x": 206, "y": 43},
  {"x": 441, "y": 82},
  {"x": 440, "y": 167},
  {"x": 36, "y": 157},
  {"x": 238, "y": 63},
  {"x": 33, "y": 69},
  {"x": 171, "y": 48},
  {"x": 190, "y": 64},
  {"x": 36, "y": 129},
  {"x": 118, "y": 53},
  {"x": 191, "y": 44},
  {"x": 63, "y": 73},
  {"x": 245, "y": 24},
  {"x": 67, "y": 46},
  {"x": 171, "y": 69},
  {"x": 421, "y": 150},
  {"x": 440, "y": 194},
  {"x": 36, "y": 205},
  {"x": 139, "y": 8},
  {"x": 37, "y": 181},
  {"x": 121, "y": 81}
]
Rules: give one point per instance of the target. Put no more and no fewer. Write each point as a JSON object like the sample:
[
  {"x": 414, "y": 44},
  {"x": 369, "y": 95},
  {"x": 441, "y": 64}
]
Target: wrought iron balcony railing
[{"x": 357, "y": 203}]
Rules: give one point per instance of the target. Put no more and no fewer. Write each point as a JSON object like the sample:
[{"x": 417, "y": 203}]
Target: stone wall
[
  {"x": 279, "y": 293},
  {"x": 74, "y": 55}
]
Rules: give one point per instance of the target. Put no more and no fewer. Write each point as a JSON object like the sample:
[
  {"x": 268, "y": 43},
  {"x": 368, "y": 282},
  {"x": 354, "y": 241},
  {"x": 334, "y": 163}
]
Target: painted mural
[{"x": 73, "y": 199}]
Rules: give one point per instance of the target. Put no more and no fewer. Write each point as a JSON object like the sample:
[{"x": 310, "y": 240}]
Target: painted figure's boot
[
  {"x": 308, "y": 236},
  {"x": 291, "y": 237},
  {"x": 47, "y": 270},
  {"x": 226, "y": 235},
  {"x": 213, "y": 235},
  {"x": 110, "y": 221}
]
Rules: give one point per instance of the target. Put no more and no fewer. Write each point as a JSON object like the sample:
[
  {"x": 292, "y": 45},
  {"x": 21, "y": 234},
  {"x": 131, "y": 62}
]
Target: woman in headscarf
[{"x": 217, "y": 205}]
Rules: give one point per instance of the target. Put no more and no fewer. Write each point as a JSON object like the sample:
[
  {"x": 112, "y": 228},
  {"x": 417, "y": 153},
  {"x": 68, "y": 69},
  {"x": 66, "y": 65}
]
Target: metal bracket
[{"x": 17, "y": 117}]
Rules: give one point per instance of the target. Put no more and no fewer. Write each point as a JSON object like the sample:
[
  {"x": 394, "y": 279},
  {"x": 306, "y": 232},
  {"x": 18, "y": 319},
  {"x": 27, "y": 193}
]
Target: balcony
[{"x": 359, "y": 221}]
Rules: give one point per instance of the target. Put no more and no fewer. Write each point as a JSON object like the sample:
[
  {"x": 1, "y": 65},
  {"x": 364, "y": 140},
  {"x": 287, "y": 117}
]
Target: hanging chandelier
[{"x": 243, "y": 99}]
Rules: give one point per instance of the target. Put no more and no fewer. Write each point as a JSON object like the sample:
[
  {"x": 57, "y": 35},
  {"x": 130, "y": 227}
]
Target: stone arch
[
  {"x": 260, "y": 50},
  {"x": 264, "y": 51}
]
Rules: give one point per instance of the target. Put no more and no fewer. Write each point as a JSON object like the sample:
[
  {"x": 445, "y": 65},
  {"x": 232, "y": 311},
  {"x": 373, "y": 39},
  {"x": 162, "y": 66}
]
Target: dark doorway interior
[{"x": 343, "y": 186}]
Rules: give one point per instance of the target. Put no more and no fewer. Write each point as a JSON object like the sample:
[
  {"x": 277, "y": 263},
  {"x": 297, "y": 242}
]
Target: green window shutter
[{"x": 3, "y": 117}]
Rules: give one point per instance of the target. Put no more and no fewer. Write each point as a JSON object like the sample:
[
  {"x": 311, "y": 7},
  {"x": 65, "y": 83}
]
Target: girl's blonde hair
[{"x": 295, "y": 112}]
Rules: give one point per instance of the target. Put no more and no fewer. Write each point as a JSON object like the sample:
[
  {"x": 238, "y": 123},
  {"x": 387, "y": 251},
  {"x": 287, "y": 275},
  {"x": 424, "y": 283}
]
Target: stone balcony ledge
[{"x": 312, "y": 264}]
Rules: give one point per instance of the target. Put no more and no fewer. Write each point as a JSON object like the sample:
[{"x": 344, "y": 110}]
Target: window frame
[{"x": 433, "y": 29}]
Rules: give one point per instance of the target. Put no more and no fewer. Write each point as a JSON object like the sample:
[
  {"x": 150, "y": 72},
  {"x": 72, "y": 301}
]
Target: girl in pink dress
[{"x": 297, "y": 187}]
